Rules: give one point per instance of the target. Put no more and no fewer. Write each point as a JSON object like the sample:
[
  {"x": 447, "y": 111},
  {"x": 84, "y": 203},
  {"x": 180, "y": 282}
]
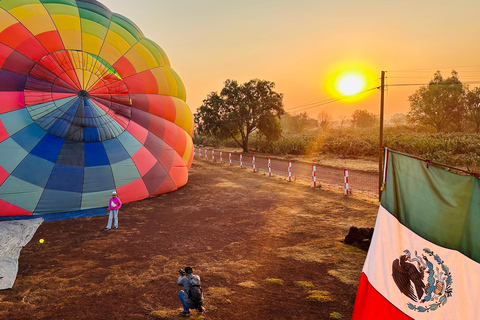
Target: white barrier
[
  {"x": 269, "y": 168},
  {"x": 345, "y": 178},
  {"x": 347, "y": 189},
  {"x": 289, "y": 170}
]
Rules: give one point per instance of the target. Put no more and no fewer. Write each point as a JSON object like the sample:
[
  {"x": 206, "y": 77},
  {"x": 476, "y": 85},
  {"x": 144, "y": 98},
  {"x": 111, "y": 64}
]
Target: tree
[
  {"x": 325, "y": 120},
  {"x": 398, "y": 119},
  {"x": 363, "y": 119},
  {"x": 473, "y": 107},
  {"x": 240, "y": 110},
  {"x": 343, "y": 120},
  {"x": 298, "y": 123},
  {"x": 440, "y": 104}
]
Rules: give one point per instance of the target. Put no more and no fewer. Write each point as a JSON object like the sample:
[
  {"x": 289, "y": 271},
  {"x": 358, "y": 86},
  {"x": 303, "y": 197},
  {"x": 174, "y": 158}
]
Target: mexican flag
[{"x": 423, "y": 262}]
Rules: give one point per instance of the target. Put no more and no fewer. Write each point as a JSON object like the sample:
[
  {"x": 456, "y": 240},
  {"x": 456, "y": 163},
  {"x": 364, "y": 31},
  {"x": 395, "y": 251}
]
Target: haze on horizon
[{"x": 299, "y": 45}]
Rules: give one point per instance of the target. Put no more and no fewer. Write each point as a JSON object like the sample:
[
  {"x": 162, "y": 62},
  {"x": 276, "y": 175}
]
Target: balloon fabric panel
[{"x": 89, "y": 106}]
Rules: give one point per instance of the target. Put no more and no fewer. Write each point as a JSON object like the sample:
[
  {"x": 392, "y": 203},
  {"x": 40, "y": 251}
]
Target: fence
[{"x": 355, "y": 181}]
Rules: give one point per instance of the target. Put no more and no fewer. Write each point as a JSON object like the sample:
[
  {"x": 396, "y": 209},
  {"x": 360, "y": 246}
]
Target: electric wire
[{"x": 324, "y": 102}]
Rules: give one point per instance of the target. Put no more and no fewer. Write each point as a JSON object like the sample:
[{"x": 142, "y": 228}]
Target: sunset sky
[{"x": 301, "y": 44}]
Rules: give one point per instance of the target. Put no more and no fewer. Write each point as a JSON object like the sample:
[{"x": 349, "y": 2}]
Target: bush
[{"x": 455, "y": 149}]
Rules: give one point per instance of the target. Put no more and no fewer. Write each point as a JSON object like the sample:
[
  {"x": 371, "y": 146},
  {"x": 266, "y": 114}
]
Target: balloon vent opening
[
  {"x": 83, "y": 94},
  {"x": 77, "y": 96}
]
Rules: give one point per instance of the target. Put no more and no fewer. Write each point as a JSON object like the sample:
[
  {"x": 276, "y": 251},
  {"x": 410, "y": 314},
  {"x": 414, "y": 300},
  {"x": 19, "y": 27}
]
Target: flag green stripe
[{"x": 440, "y": 206}]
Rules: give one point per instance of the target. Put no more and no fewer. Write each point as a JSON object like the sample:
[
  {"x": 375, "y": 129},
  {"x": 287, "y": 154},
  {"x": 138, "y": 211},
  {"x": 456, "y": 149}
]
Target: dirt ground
[{"x": 264, "y": 248}]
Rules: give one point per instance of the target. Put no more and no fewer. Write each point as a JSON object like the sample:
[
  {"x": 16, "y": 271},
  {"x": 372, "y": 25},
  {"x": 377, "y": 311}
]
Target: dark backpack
[{"x": 195, "y": 293}]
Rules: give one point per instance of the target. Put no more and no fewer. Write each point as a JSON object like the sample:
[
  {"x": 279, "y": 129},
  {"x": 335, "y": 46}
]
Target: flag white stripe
[{"x": 389, "y": 241}]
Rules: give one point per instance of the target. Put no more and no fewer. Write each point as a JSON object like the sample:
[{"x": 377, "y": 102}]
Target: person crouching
[{"x": 192, "y": 296}]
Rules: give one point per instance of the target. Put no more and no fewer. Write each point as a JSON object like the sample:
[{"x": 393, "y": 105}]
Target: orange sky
[{"x": 299, "y": 44}]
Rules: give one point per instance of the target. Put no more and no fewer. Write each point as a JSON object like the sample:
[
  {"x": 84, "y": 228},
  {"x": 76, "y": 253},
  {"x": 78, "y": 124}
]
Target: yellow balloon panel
[
  {"x": 177, "y": 88},
  {"x": 6, "y": 19},
  {"x": 188, "y": 149},
  {"x": 114, "y": 47},
  {"x": 121, "y": 32},
  {"x": 109, "y": 53},
  {"x": 138, "y": 61},
  {"x": 28, "y": 11},
  {"x": 91, "y": 43},
  {"x": 157, "y": 52},
  {"x": 162, "y": 81},
  {"x": 146, "y": 55},
  {"x": 38, "y": 24},
  {"x": 57, "y": 9},
  {"x": 66, "y": 22},
  {"x": 183, "y": 115},
  {"x": 72, "y": 39}
]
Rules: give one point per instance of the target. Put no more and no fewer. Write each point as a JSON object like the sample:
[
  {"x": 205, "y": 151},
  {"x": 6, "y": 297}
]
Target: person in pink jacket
[{"x": 114, "y": 205}]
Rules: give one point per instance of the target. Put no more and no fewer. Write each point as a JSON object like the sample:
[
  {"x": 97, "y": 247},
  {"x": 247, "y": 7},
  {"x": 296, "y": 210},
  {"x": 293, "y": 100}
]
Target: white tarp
[{"x": 14, "y": 235}]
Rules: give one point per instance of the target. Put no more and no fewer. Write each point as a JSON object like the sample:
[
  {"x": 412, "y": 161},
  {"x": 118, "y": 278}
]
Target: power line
[
  {"x": 430, "y": 69},
  {"x": 432, "y": 84},
  {"x": 324, "y": 102}
]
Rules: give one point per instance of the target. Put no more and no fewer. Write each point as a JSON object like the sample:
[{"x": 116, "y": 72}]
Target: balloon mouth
[
  {"x": 84, "y": 95},
  {"x": 77, "y": 96}
]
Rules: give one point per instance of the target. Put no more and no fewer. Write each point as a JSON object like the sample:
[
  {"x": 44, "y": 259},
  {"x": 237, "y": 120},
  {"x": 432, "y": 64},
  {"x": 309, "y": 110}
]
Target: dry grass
[
  {"x": 320, "y": 296},
  {"x": 247, "y": 284},
  {"x": 217, "y": 295},
  {"x": 347, "y": 260},
  {"x": 242, "y": 267},
  {"x": 273, "y": 280},
  {"x": 336, "y": 315},
  {"x": 304, "y": 284},
  {"x": 163, "y": 314},
  {"x": 369, "y": 165},
  {"x": 172, "y": 314}
]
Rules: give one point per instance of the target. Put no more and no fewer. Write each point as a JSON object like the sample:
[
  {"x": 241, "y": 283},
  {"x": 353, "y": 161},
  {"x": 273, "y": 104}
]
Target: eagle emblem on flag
[{"x": 424, "y": 278}]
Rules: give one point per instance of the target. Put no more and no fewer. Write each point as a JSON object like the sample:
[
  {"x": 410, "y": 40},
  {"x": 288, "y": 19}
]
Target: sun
[{"x": 348, "y": 84}]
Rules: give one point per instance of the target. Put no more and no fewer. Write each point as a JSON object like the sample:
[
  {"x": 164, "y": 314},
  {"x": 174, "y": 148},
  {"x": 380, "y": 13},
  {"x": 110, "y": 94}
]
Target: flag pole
[{"x": 380, "y": 157}]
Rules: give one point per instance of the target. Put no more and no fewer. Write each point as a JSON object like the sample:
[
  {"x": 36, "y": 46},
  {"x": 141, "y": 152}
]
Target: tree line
[
  {"x": 446, "y": 105},
  {"x": 238, "y": 110}
]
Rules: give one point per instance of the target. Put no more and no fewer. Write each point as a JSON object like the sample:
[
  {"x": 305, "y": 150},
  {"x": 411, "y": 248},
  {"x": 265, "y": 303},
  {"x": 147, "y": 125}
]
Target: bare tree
[{"x": 324, "y": 120}]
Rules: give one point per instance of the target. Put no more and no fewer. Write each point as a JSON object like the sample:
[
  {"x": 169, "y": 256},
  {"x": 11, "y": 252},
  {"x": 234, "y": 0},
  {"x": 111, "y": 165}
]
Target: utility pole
[{"x": 380, "y": 157}]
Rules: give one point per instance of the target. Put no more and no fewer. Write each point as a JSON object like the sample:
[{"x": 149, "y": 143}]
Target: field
[{"x": 265, "y": 248}]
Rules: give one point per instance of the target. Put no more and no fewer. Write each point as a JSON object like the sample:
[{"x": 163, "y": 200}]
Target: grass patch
[
  {"x": 247, "y": 284},
  {"x": 320, "y": 296},
  {"x": 304, "y": 284},
  {"x": 162, "y": 314},
  {"x": 216, "y": 295},
  {"x": 347, "y": 276},
  {"x": 336, "y": 315},
  {"x": 347, "y": 260},
  {"x": 273, "y": 280},
  {"x": 231, "y": 267}
]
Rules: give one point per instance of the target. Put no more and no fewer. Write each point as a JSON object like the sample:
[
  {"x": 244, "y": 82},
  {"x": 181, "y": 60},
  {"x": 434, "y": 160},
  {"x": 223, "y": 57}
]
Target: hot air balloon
[{"x": 88, "y": 106}]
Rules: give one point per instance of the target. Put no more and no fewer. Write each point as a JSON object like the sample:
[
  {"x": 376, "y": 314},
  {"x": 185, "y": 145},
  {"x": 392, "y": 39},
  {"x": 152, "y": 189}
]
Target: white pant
[{"x": 112, "y": 214}]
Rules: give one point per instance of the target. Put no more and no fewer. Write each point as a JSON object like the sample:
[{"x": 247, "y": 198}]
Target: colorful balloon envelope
[{"x": 88, "y": 106}]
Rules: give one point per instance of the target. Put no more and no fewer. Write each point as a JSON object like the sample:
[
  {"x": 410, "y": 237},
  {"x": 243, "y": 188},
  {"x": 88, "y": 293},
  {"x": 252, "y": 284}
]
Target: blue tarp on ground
[{"x": 61, "y": 216}]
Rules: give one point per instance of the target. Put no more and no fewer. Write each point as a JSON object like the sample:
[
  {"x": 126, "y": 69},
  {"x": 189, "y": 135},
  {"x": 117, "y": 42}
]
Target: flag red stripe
[{"x": 370, "y": 304}]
